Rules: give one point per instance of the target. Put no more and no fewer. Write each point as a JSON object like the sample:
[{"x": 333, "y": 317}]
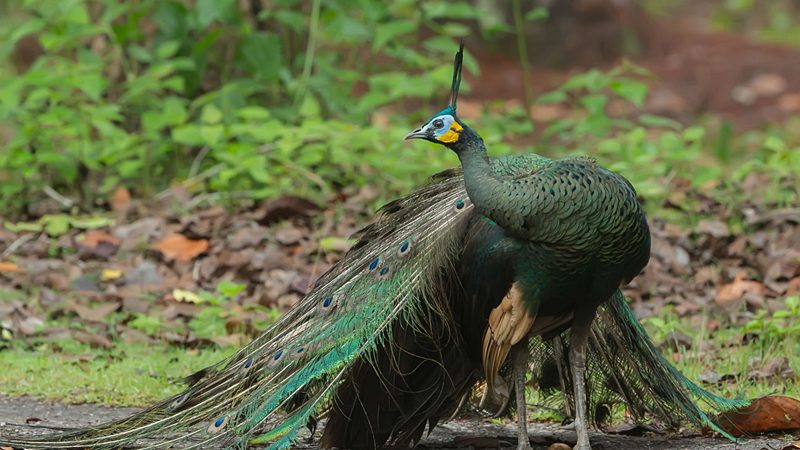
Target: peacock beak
[{"x": 416, "y": 134}]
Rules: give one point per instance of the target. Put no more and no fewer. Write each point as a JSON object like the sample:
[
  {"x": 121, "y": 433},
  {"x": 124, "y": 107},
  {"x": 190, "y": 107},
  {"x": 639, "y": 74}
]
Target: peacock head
[{"x": 445, "y": 128}]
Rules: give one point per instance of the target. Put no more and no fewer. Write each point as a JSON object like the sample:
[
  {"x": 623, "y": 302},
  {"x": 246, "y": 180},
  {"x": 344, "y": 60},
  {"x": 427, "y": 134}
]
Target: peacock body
[{"x": 507, "y": 255}]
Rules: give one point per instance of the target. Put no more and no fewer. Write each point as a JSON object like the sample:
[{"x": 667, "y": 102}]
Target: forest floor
[
  {"x": 458, "y": 434},
  {"x": 75, "y": 293}
]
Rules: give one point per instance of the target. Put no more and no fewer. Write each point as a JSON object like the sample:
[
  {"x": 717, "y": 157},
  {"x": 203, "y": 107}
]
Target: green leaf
[
  {"x": 253, "y": 113},
  {"x": 775, "y": 144},
  {"x": 540, "y": 13},
  {"x": 207, "y": 11},
  {"x": 230, "y": 288},
  {"x": 91, "y": 222},
  {"x": 595, "y": 103},
  {"x": 25, "y": 28},
  {"x": 174, "y": 111},
  {"x": 694, "y": 133},
  {"x": 55, "y": 224},
  {"x": 260, "y": 173},
  {"x": 34, "y": 227},
  {"x": 153, "y": 121},
  {"x": 170, "y": 17},
  {"x": 455, "y": 30},
  {"x": 168, "y": 49},
  {"x": 552, "y": 97},
  {"x": 448, "y": 10},
  {"x": 309, "y": 107},
  {"x": 294, "y": 20},
  {"x": 93, "y": 85},
  {"x": 206, "y": 42},
  {"x": 387, "y": 32},
  {"x": 210, "y": 114},
  {"x": 593, "y": 81},
  {"x": 212, "y": 134},
  {"x": 650, "y": 120},
  {"x": 631, "y": 90},
  {"x": 188, "y": 134},
  {"x": 261, "y": 53},
  {"x": 140, "y": 53}
]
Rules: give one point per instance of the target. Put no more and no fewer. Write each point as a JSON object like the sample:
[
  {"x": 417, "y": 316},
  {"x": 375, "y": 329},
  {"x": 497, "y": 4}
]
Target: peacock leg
[
  {"x": 579, "y": 336},
  {"x": 520, "y": 364}
]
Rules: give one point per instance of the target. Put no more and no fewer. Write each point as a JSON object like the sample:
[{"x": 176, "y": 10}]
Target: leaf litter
[{"x": 156, "y": 274}]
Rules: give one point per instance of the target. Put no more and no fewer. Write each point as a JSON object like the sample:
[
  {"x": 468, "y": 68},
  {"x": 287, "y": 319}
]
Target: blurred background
[{"x": 176, "y": 174}]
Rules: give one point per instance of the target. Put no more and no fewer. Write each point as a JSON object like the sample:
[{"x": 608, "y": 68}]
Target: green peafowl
[{"x": 519, "y": 256}]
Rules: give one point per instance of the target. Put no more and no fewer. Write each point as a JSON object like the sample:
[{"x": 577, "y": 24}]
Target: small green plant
[{"x": 139, "y": 94}]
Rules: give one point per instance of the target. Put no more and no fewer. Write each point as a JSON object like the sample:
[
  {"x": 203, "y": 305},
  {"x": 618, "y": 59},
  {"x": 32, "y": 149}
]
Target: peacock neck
[{"x": 479, "y": 179}]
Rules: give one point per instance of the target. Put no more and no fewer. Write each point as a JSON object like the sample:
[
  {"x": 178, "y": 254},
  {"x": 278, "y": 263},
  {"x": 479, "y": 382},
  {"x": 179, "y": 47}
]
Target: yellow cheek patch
[{"x": 452, "y": 135}]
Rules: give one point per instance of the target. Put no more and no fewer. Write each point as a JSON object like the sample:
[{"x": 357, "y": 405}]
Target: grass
[
  {"x": 733, "y": 350},
  {"x": 129, "y": 375}
]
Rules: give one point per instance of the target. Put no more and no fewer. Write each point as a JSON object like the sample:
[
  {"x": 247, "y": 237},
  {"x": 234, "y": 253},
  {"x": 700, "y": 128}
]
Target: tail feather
[
  {"x": 289, "y": 373},
  {"x": 624, "y": 366}
]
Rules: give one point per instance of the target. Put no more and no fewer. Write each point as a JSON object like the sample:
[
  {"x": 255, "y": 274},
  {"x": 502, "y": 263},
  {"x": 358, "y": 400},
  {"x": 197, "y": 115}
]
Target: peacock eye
[{"x": 438, "y": 123}]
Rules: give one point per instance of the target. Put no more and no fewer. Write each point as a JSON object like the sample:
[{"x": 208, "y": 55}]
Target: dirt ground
[{"x": 456, "y": 434}]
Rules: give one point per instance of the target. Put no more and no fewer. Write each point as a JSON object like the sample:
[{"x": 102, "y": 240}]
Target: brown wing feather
[{"x": 509, "y": 323}]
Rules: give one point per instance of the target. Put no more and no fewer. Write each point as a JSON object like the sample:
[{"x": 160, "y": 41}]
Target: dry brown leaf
[
  {"x": 792, "y": 446},
  {"x": 286, "y": 207},
  {"x": 98, "y": 243},
  {"x": 7, "y": 267},
  {"x": 96, "y": 314},
  {"x": 794, "y": 287},
  {"x": 93, "y": 238},
  {"x": 120, "y": 199},
  {"x": 92, "y": 340},
  {"x": 763, "y": 415},
  {"x": 715, "y": 228},
  {"x": 739, "y": 288},
  {"x": 179, "y": 248}
]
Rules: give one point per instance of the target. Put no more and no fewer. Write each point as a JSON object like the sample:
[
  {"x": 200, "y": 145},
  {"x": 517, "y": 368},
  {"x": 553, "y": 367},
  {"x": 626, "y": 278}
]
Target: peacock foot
[
  {"x": 524, "y": 445},
  {"x": 582, "y": 446}
]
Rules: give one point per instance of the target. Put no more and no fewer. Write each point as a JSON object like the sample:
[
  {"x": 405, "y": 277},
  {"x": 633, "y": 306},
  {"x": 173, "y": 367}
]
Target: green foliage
[
  {"x": 252, "y": 104},
  {"x": 781, "y": 325},
  {"x": 142, "y": 93},
  {"x": 734, "y": 349}
]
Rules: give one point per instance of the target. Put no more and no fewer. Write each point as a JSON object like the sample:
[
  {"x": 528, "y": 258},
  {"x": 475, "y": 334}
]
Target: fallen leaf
[
  {"x": 110, "y": 274},
  {"x": 186, "y": 296},
  {"x": 96, "y": 314},
  {"x": 83, "y": 283},
  {"x": 23, "y": 226},
  {"x": 7, "y": 267},
  {"x": 739, "y": 288},
  {"x": 55, "y": 224},
  {"x": 179, "y": 248},
  {"x": 763, "y": 415},
  {"x": 633, "y": 429},
  {"x": 145, "y": 274},
  {"x": 92, "y": 340},
  {"x": 98, "y": 243},
  {"x": 794, "y": 287},
  {"x": 246, "y": 237},
  {"x": 286, "y": 207},
  {"x": 775, "y": 370},
  {"x": 235, "y": 340},
  {"x": 792, "y": 446},
  {"x": 91, "y": 222},
  {"x": 120, "y": 199},
  {"x": 715, "y": 228}
]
